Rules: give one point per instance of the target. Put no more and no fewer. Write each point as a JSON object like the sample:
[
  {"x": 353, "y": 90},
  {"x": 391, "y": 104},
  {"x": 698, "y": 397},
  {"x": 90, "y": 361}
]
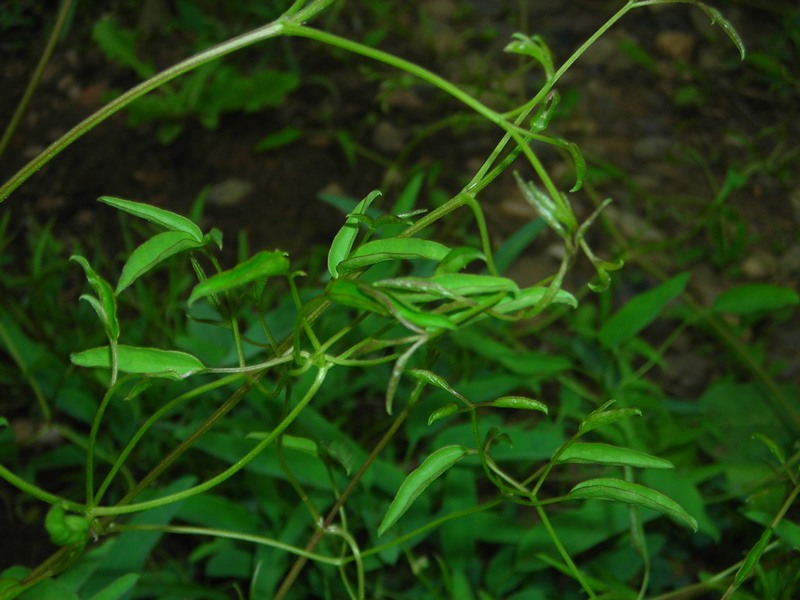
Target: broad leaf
[
  {"x": 618, "y": 490},
  {"x": 167, "y": 364}
]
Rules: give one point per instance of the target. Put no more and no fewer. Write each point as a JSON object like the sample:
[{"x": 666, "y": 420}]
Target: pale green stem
[
  {"x": 231, "y": 535},
  {"x": 36, "y": 76},
  {"x": 564, "y": 554},
  {"x": 237, "y": 43},
  {"x": 227, "y": 473},
  {"x": 166, "y": 408}
]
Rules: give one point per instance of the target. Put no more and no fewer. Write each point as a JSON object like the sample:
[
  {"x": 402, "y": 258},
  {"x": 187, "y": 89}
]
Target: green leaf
[
  {"x": 458, "y": 258},
  {"x": 450, "y": 285},
  {"x": 755, "y": 297},
  {"x": 519, "y": 402},
  {"x": 536, "y": 48},
  {"x": 639, "y": 312},
  {"x": 64, "y": 529},
  {"x": 752, "y": 558},
  {"x": 530, "y": 298},
  {"x": 290, "y": 442},
  {"x": 432, "y": 379},
  {"x": 257, "y": 268},
  {"x": 618, "y": 490},
  {"x": 515, "y": 245},
  {"x": 277, "y": 140},
  {"x": 120, "y": 45},
  {"x": 605, "y": 454},
  {"x": 418, "y": 319},
  {"x": 105, "y": 304},
  {"x": 117, "y": 588},
  {"x": 443, "y": 412},
  {"x": 717, "y": 19},
  {"x": 602, "y": 416},
  {"x": 392, "y": 249},
  {"x": 153, "y": 252},
  {"x": 343, "y": 242},
  {"x": 541, "y": 120},
  {"x": 349, "y": 293},
  {"x": 167, "y": 364},
  {"x": 418, "y": 480},
  {"x": 773, "y": 446},
  {"x": 165, "y": 218}
]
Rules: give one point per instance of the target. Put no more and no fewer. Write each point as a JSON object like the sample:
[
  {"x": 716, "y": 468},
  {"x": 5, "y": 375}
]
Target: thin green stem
[
  {"x": 315, "y": 539},
  {"x": 227, "y": 473},
  {"x": 36, "y": 76},
  {"x": 38, "y": 492},
  {"x": 154, "y": 418},
  {"x": 249, "y": 38},
  {"x": 576, "y": 572},
  {"x": 229, "y": 535}
]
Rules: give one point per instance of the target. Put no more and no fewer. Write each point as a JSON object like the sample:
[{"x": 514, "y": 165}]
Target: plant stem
[
  {"x": 58, "y": 27},
  {"x": 237, "y": 43},
  {"x": 316, "y": 537},
  {"x": 121, "y": 508}
]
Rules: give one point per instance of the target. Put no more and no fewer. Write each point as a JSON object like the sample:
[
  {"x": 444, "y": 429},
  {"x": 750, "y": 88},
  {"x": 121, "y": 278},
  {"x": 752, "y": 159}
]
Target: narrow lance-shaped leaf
[
  {"x": 458, "y": 258},
  {"x": 755, "y": 297},
  {"x": 450, "y": 285},
  {"x": 717, "y": 19},
  {"x": 752, "y": 558},
  {"x": 343, "y": 242},
  {"x": 418, "y": 480},
  {"x": 618, "y": 490},
  {"x": 519, "y": 402},
  {"x": 443, "y": 412},
  {"x": 167, "y": 364},
  {"x": 151, "y": 253},
  {"x": 258, "y": 267},
  {"x": 160, "y": 216},
  {"x": 349, "y": 293},
  {"x": 432, "y": 379},
  {"x": 606, "y": 454},
  {"x": 639, "y": 312},
  {"x": 603, "y": 416},
  {"x": 392, "y": 249},
  {"x": 536, "y": 48},
  {"x": 105, "y": 304}
]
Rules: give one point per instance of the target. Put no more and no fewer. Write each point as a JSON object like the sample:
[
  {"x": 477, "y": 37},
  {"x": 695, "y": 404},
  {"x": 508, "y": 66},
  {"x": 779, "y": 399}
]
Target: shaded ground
[{"x": 662, "y": 98}]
